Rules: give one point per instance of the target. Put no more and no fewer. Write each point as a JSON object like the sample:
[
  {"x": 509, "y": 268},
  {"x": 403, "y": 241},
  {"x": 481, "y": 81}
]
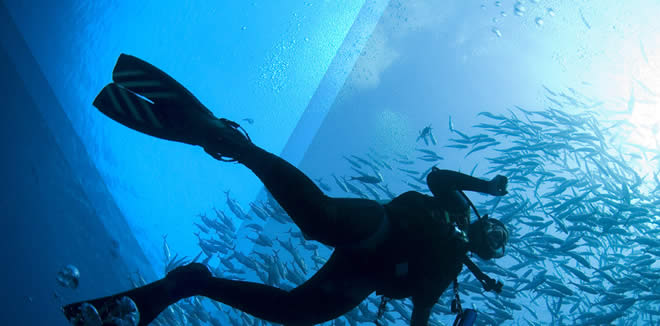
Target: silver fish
[{"x": 166, "y": 248}]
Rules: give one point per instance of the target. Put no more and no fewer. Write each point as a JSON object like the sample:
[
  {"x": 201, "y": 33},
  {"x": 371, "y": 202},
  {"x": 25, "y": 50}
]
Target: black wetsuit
[
  {"x": 401, "y": 249},
  {"x": 404, "y": 248}
]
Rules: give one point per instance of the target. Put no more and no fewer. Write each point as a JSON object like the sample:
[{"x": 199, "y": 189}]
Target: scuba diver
[{"x": 413, "y": 246}]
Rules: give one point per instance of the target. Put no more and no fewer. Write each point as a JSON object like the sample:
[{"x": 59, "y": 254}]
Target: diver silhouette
[{"x": 413, "y": 246}]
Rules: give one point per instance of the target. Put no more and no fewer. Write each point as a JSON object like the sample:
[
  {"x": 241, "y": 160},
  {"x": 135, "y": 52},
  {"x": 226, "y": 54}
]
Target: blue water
[
  {"x": 264, "y": 63},
  {"x": 320, "y": 79}
]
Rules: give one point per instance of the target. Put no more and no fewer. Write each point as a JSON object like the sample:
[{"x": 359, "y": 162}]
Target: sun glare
[{"x": 635, "y": 83}]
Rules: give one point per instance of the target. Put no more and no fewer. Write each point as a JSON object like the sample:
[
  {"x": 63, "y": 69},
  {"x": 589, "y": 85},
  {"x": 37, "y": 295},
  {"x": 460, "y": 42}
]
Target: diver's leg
[
  {"x": 333, "y": 291},
  {"x": 339, "y": 286},
  {"x": 332, "y": 221},
  {"x": 144, "y": 98}
]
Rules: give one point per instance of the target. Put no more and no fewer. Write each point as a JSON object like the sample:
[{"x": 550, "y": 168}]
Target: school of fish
[{"x": 584, "y": 224}]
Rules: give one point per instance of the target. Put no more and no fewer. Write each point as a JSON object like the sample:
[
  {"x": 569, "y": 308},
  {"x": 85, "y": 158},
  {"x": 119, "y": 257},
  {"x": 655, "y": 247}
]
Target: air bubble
[
  {"x": 121, "y": 312},
  {"x": 68, "y": 277},
  {"x": 87, "y": 316}
]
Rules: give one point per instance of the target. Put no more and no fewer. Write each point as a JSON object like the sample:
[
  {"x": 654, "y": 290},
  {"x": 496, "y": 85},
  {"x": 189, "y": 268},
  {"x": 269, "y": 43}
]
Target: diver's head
[{"x": 488, "y": 237}]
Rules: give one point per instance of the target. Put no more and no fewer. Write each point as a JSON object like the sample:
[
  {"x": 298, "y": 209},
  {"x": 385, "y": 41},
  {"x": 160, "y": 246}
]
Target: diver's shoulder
[
  {"x": 413, "y": 194},
  {"x": 408, "y": 198}
]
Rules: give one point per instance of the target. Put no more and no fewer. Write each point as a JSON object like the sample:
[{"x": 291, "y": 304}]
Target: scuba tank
[{"x": 466, "y": 318}]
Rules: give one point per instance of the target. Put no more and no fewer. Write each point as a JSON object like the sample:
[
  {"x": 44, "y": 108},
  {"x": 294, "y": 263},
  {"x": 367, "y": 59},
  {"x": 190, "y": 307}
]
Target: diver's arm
[{"x": 447, "y": 180}]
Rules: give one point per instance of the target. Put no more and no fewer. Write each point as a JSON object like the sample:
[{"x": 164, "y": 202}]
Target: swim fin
[
  {"x": 114, "y": 311},
  {"x": 140, "y": 306},
  {"x": 148, "y": 100}
]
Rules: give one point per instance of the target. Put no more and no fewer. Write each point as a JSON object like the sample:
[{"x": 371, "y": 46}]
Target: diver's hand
[{"x": 497, "y": 186}]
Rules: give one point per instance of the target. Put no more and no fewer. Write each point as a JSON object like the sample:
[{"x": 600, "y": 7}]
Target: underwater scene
[{"x": 330, "y": 162}]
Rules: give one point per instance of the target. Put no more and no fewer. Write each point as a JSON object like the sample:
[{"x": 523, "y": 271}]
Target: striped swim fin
[{"x": 146, "y": 99}]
